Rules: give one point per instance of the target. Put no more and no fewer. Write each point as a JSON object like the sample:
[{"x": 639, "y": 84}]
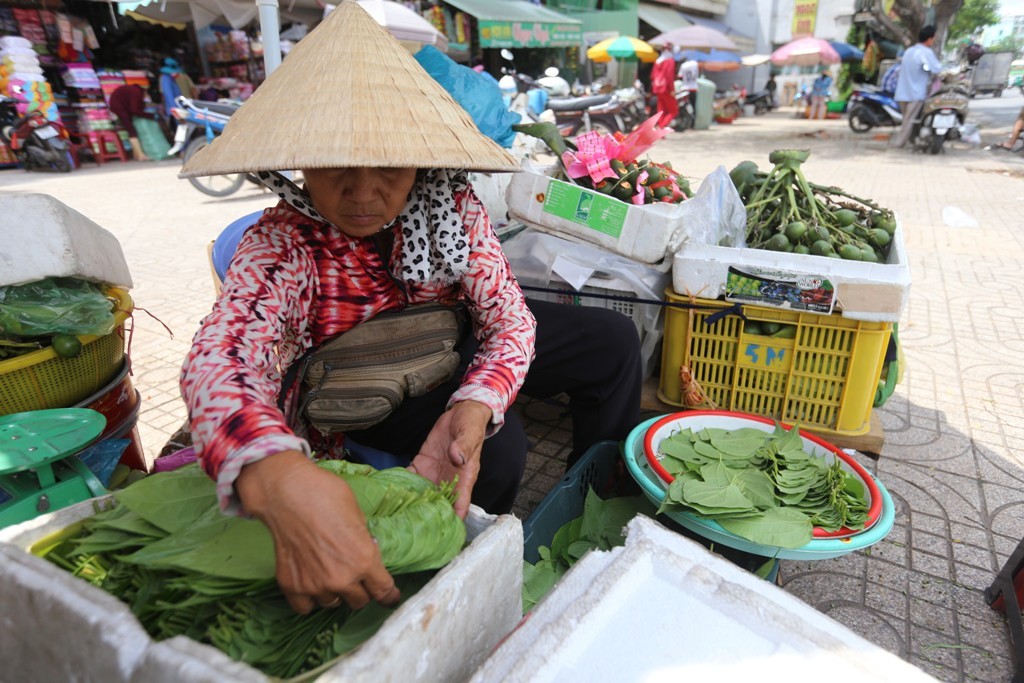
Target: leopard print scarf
[{"x": 435, "y": 246}]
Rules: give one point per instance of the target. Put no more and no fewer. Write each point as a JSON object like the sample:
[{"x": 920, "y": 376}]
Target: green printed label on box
[{"x": 594, "y": 210}]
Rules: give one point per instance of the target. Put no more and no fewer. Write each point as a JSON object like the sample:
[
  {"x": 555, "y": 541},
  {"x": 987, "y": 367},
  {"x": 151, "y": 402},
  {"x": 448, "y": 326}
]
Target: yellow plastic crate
[
  {"x": 824, "y": 378},
  {"x": 42, "y": 379}
]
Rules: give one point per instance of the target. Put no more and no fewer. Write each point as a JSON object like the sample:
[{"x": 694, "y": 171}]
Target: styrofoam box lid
[
  {"x": 57, "y": 627},
  {"x": 877, "y": 292},
  {"x": 43, "y": 237},
  {"x": 665, "y": 609}
]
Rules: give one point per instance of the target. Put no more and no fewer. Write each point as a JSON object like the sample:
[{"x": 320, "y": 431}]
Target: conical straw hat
[{"x": 349, "y": 94}]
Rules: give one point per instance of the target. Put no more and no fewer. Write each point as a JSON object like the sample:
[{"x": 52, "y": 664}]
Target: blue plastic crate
[
  {"x": 564, "y": 503},
  {"x": 597, "y": 469}
]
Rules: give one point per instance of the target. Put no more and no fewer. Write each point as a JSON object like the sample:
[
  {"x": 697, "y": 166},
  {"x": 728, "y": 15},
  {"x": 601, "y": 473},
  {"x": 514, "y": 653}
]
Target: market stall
[{"x": 765, "y": 302}]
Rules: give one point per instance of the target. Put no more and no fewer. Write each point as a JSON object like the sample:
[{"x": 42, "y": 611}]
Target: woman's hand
[
  {"x": 453, "y": 449},
  {"x": 323, "y": 548}
]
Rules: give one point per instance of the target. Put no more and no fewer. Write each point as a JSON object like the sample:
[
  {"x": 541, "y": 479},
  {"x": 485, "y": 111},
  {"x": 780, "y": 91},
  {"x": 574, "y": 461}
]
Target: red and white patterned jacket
[{"x": 295, "y": 282}]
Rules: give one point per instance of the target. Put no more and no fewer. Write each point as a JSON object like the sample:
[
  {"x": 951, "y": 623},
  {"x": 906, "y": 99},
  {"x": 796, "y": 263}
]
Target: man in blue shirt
[{"x": 919, "y": 67}]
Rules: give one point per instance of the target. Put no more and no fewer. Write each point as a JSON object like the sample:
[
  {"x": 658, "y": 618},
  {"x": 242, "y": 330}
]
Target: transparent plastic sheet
[
  {"x": 539, "y": 259},
  {"x": 714, "y": 215},
  {"x": 478, "y": 94},
  {"x": 55, "y": 306}
]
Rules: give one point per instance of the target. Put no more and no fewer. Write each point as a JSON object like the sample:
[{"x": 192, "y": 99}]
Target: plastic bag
[
  {"x": 715, "y": 215},
  {"x": 55, "y": 306},
  {"x": 152, "y": 139},
  {"x": 478, "y": 94}
]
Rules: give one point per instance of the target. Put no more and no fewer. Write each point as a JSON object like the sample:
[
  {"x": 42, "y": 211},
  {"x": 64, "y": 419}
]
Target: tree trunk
[{"x": 912, "y": 16}]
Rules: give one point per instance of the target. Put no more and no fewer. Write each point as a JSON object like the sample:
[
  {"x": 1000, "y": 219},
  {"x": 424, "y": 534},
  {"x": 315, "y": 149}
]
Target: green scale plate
[{"x": 37, "y": 467}]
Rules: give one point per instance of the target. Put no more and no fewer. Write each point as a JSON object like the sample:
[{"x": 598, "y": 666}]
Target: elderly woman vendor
[{"x": 386, "y": 219}]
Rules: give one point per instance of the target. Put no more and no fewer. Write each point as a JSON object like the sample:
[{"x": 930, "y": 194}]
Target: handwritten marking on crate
[{"x": 769, "y": 357}]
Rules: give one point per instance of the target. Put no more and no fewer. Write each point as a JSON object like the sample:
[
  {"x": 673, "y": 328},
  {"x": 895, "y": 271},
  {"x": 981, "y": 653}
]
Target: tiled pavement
[{"x": 950, "y": 460}]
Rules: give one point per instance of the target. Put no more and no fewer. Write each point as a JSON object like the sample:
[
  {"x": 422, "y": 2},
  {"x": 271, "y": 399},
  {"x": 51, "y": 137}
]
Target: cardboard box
[
  {"x": 640, "y": 232},
  {"x": 874, "y": 292},
  {"x": 664, "y": 608},
  {"x": 59, "y": 628}
]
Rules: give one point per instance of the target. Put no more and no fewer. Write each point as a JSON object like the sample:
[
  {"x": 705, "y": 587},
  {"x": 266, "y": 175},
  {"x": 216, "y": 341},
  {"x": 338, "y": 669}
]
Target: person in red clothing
[
  {"x": 127, "y": 102},
  {"x": 386, "y": 219},
  {"x": 663, "y": 85}
]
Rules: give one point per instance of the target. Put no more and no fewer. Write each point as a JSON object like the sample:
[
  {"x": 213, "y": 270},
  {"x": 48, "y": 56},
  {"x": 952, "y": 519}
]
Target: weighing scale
[{"x": 39, "y": 469}]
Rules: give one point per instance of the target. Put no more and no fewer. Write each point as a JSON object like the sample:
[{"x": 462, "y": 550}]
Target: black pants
[{"x": 590, "y": 354}]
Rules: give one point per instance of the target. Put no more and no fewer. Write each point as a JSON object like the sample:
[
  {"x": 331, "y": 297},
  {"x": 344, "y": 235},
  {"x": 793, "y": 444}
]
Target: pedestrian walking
[
  {"x": 819, "y": 95},
  {"x": 919, "y": 67},
  {"x": 663, "y": 85}
]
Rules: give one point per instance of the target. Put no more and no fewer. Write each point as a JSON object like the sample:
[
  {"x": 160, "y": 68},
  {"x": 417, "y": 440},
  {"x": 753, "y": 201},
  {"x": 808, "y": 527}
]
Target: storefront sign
[
  {"x": 528, "y": 34},
  {"x": 804, "y": 14}
]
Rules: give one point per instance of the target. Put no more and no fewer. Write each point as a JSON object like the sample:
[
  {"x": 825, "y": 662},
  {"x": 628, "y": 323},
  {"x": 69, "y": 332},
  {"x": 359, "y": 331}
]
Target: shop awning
[
  {"x": 517, "y": 23},
  {"x": 661, "y": 17}
]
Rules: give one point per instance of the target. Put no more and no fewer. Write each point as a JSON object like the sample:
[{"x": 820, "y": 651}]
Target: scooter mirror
[{"x": 506, "y": 54}]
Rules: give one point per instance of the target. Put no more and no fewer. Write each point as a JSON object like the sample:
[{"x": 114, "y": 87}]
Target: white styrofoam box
[
  {"x": 873, "y": 292},
  {"x": 45, "y": 238},
  {"x": 639, "y": 232},
  {"x": 664, "y": 609},
  {"x": 56, "y": 627},
  {"x": 553, "y": 262}
]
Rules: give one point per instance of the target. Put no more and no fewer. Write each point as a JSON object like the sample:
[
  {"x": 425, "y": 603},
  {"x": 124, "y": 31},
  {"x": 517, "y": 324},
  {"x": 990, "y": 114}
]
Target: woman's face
[{"x": 360, "y": 201}]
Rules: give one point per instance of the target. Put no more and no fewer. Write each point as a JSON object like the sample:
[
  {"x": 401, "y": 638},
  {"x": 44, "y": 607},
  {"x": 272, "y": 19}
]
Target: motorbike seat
[
  {"x": 577, "y": 103},
  {"x": 217, "y": 107}
]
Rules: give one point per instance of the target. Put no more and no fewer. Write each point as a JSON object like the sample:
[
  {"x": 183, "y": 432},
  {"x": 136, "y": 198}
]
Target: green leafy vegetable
[
  {"x": 760, "y": 486},
  {"x": 600, "y": 527},
  {"x": 184, "y": 568}
]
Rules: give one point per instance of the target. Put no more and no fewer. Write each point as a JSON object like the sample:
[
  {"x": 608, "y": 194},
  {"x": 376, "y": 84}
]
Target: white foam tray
[
  {"x": 642, "y": 232},
  {"x": 56, "y": 627},
  {"x": 664, "y": 609},
  {"x": 873, "y": 292},
  {"x": 42, "y": 237}
]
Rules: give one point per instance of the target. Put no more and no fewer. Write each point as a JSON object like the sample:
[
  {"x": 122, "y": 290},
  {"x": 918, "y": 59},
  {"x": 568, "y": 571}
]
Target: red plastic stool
[{"x": 99, "y": 146}]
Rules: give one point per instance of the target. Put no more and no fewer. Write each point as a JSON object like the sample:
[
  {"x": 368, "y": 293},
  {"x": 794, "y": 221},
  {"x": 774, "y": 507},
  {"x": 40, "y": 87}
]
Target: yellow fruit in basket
[{"x": 66, "y": 345}]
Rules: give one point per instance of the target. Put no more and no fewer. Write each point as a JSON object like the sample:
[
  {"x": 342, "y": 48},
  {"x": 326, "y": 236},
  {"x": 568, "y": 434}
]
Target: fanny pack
[{"x": 358, "y": 378}]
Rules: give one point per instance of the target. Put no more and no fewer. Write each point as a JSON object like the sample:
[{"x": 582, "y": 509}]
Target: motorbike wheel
[
  {"x": 760, "y": 108},
  {"x": 63, "y": 163},
  {"x": 604, "y": 127},
  {"x": 857, "y": 120},
  {"x": 935, "y": 144},
  {"x": 684, "y": 121},
  {"x": 217, "y": 185}
]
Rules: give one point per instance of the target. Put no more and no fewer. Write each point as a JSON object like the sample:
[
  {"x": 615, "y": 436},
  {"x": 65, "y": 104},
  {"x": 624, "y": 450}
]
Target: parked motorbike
[
  {"x": 575, "y": 115},
  {"x": 685, "y": 118},
  {"x": 199, "y": 122},
  {"x": 871, "y": 107},
  {"x": 942, "y": 115},
  {"x": 763, "y": 102},
  {"x": 37, "y": 142},
  {"x": 634, "y": 107},
  {"x": 728, "y": 105}
]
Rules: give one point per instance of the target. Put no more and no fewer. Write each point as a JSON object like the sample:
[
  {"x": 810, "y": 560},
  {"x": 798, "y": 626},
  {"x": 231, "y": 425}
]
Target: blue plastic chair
[{"x": 227, "y": 242}]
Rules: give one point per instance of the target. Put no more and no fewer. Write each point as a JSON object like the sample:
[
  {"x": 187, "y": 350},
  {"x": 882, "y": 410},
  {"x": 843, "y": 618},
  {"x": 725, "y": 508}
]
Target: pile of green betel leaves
[
  {"x": 786, "y": 212},
  {"x": 166, "y": 550},
  {"x": 761, "y": 486}
]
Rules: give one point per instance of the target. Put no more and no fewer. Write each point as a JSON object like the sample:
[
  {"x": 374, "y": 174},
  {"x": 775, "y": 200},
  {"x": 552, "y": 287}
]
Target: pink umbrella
[{"x": 805, "y": 52}]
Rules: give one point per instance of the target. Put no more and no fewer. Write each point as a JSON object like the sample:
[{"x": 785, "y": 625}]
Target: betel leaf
[
  {"x": 712, "y": 497},
  {"x": 779, "y": 527},
  {"x": 172, "y": 501},
  {"x": 757, "y": 487},
  {"x": 739, "y": 443}
]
